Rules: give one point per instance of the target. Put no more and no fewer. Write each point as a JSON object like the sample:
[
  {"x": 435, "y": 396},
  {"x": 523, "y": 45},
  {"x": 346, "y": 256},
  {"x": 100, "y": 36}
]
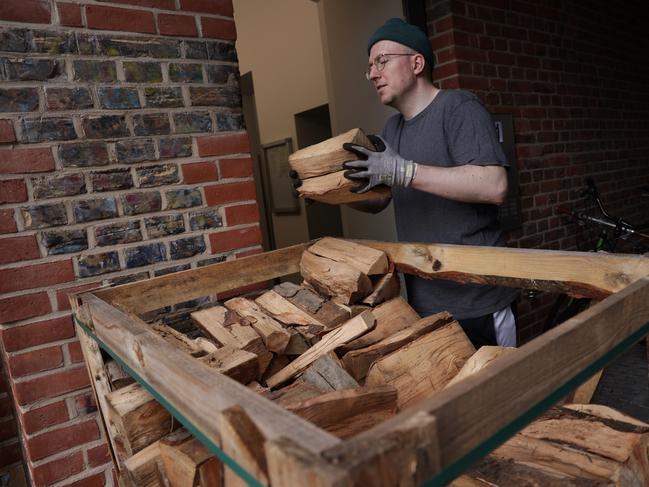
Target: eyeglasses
[{"x": 380, "y": 61}]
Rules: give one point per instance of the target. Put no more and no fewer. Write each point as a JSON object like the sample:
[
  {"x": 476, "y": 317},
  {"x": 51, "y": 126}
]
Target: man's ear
[{"x": 418, "y": 63}]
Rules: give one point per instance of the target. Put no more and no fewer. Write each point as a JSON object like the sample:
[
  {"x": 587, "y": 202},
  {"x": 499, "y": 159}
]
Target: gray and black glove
[{"x": 382, "y": 166}]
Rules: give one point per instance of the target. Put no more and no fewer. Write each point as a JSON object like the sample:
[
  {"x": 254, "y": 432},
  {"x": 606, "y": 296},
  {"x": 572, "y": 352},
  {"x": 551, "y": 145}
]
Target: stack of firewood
[{"x": 342, "y": 350}]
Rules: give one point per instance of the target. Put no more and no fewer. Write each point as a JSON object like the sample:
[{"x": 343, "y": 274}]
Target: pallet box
[{"x": 438, "y": 437}]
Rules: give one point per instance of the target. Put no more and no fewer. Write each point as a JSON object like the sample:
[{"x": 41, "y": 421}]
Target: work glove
[
  {"x": 296, "y": 182},
  {"x": 382, "y": 166}
]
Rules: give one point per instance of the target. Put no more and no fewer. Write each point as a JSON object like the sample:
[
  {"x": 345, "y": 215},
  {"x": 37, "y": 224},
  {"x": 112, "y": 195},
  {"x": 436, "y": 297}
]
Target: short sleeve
[{"x": 472, "y": 136}]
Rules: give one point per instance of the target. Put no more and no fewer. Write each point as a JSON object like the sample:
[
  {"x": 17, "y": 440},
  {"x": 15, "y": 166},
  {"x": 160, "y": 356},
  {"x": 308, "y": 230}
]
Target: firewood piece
[
  {"x": 345, "y": 284},
  {"x": 391, "y": 317},
  {"x": 479, "y": 360},
  {"x": 139, "y": 419},
  {"x": 242, "y": 440},
  {"x": 283, "y": 310},
  {"x": 385, "y": 288},
  {"x": 277, "y": 363},
  {"x": 178, "y": 339},
  {"x": 205, "y": 345},
  {"x": 335, "y": 189},
  {"x": 327, "y": 156},
  {"x": 116, "y": 375},
  {"x": 584, "y": 393},
  {"x": 329, "y": 342},
  {"x": 575, "y": 443},
  {"x": 212, "y": 321},
  {"x": 141, "y": 467},
  {"x": 605, "y": 412},
  {"x": 358, "y": 362},
  {"x": 323, "y": 311},
  {"x": 423, "y": 366},
  {"x": 188, "y": 463},
  {"x": 311, "y": 333},
  {"x": 327, "y": 373},
  {"x": 163, "y": 478},
  {"x": 298, "y": 391},
  {"x": 347, "y": 412},
  {"x": 365, "y": 259},
  {"x": 275, "y": 337},
  {"x": 298, "y": 344},
  {"x": 237, "y": 364}
]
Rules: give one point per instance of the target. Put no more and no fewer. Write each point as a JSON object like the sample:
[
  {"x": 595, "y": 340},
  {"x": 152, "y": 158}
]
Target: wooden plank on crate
[
  {"x": 243, "y": 441},
  {"x": 329, "y": 342},
  {"x": 520, "y": 380},
  {"x": 100, "y": 385},
  {"x": 142, "y": 296},
  {"x": 141, "y": 468},
  {"x": 576, "y": 273},
  {"x": 365, "y": 259},
  {"x": 196, "y": 393}
]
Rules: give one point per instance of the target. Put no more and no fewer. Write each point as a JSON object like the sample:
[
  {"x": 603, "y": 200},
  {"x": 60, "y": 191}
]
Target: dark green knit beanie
[{"x": 398, "y": 30}]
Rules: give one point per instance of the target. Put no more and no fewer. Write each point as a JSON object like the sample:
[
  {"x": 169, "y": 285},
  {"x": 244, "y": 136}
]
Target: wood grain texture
[
  {"x": 141, "y": 467},
  {"x": 274, "y": 336},
  {"x": 479, "y": 360},
  {"x": 358, "y": 361},
  {"x": 237, "y": 364},
  {"x": 577, "y": 273},
  {"x": 365, "y": 259},
  {"x": 142, "y": 296},
  {"x": 284, "y": 311},
  {"x": 423, "y": 366},
  {"x": 327, "y": 156},
  {"x": 521, "y": 379},
  {"x": 335, "y": 189},
  {"x": 196, "y": 392},
  {"x": 329, "y": 342},
  {"x": 391, "y": 317},
  {"x": 343, "y": 283},
  {"x": 384, "y": 288}
]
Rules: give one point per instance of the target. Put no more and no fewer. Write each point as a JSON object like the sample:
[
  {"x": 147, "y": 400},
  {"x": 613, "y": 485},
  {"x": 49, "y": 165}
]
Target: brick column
[{"x": 122, "y": 156}]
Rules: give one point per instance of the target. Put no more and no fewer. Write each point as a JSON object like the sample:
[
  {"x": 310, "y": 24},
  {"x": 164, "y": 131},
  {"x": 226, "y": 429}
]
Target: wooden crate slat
[
  {"x": 522, "y": 379},
  {"x": 576, "y": 273},
  {"x": 196, "y": 392},
  {"x": 142, "y": 296}
]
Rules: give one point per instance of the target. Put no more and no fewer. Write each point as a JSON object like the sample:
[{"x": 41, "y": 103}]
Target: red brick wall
[
  {"x": 122, "y": 156},
  {"x": 574, "y": 77}
]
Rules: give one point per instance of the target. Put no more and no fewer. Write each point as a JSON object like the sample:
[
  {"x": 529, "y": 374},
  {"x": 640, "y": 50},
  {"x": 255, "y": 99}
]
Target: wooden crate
[{"x": 438, "y": 437}]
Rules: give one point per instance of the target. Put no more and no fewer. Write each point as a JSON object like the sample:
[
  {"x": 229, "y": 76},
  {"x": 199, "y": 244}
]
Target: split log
[
  {"x": 350, "y": 330},
  {"x": 327, "y": 156},
  {"x": 324, "y": 311},
  {"x": 117, "y": 377},
  {"x": 345, "y": 284},
  {"x": 328, "y": 374},
  {"x": 320, "y": 169},
  {"x": 584, "y": 393},
  {"x": 237, "y": 364},
  {"x": 385, "y": 288},
  {"x": 141, "y": 467},
  {"x": 298, "y": 344},
  {"x": 178, "y": 339},
  {"x": 479, "y": 360},
  {"x": 358, "y": 362},
  {"x": 205, "y": 345},
  {"x": 347, "y": 412},
  {"x": 283, "y": 310},
  {"x": 391, "y": 317},
  {"x": 423, "y": 366},
  {"x": 138, "y": 418},
  {"x": 276, "y": 364},
  {"x": 243, "y": 441},
  {"x": 598, "y": 448},
  {"x": 274, "y": 336},
  {"x": 189, "y": 463},
  {"x": 299, "y": 390},
  {"x": 365, "y": 259},
  {"x": 163, "y": 479}
]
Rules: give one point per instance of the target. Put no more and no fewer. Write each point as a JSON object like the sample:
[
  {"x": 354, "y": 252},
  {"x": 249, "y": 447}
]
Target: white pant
[{"x": 505, "y": 327}]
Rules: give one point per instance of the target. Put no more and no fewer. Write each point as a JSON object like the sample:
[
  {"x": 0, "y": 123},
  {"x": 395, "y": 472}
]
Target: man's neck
[{"x": 416, "y": 100}]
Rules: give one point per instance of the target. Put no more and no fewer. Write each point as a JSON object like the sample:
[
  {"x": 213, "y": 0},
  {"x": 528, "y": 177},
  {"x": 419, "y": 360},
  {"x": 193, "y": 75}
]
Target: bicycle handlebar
[{"x": 616, "y": 224}]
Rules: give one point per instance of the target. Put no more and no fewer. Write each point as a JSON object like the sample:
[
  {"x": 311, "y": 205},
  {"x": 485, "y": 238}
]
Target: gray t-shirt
[{"x": 455, "y": 129}]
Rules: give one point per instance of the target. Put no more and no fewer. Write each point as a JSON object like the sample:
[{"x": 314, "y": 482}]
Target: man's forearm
[{"x": 468, "y": 183}]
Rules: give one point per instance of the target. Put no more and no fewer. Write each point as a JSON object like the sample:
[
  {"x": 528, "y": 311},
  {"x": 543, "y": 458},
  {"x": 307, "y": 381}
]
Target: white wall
[
  {"x": 346, "y": 26},
  {"x": 280, "y": 42}
]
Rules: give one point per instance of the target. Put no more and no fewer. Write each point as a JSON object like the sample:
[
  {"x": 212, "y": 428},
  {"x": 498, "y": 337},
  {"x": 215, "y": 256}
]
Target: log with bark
[
  {"x": 320, "y": 167},
  {"x": 324, "y": 311}
]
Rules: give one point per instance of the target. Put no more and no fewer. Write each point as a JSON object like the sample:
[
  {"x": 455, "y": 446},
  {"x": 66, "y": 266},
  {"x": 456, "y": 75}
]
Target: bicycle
[{"x": 612, "y": 230}]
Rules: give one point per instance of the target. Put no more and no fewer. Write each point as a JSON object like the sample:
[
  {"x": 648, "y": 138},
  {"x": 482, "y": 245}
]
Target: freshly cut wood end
[
  {"x": 479, "y": 360},
  {"x": 366, "y": 259},
  {"x": 335, "y": 189},
  {"x": 327, "y": 156}
]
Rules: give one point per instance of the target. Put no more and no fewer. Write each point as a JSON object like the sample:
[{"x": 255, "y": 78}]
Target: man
[{"x": 447, "y": 171}]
